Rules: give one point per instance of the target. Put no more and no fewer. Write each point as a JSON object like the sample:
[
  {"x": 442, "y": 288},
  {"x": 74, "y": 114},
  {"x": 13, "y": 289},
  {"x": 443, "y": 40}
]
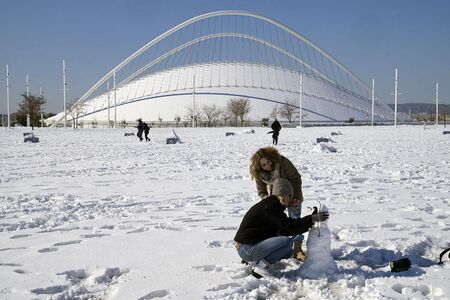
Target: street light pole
[
  {"x": 109, "y": 106},
  {"x": 64, "y": 93},
  {"x": 28, "y": 86},
  {"x": 395, "y": 98},
  {"x": 115, "y": 101},
  {"x": 373, "y": 98},
  {"x": 42, "y": 116},
  {"x": 301, "y": 100},
  {"x": 193, "y": 102},
  {"x": 437, "y": 103},
  {"x": 7, "y": 95}
]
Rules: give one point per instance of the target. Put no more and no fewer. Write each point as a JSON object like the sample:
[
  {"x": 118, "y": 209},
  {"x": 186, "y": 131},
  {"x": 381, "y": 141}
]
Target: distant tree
[
  {"x": 75, "y": 110},
  {"x": 351, "y": 120},
  {"x": 177, "y": 120},
  {"x": 210, "y": 114},
  {"x": 275, "y": 112},
  {"x": 288, "y": 109},
  {"x": 31, "y": 105},
  {"x": 192, "y": 115},
  {"x": 238, "y": 109}
]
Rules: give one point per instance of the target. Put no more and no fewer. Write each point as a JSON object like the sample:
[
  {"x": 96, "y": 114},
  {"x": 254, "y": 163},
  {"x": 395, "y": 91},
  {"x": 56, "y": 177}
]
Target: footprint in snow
[
  {"x": 94, "y": 235},
  {"x": 224, "y": 286},
  {"x": 208, "y": 268},
  {"x": 67, "y": 243},
  {"x": 19, "y": 236},
  {"x": 138, "y": 230},
  {"x": 50, "y": 249},
  {"x": 50, "y": 290},
  {"x": 12, "y": 248},
  {"x": 155, "y": 294},
  {"x": 10, "y": 265}
]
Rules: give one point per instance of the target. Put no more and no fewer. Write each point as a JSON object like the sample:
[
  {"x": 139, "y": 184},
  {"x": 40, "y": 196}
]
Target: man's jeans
[{"x": 272, "y": 250}]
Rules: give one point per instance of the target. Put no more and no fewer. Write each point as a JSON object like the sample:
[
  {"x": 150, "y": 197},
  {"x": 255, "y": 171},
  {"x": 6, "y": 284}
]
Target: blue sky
[{"x": 371, "y": 38}]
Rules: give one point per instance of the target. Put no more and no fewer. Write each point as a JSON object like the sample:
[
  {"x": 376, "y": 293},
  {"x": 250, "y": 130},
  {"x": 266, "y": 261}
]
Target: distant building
[{"x": 221, "y": 55}]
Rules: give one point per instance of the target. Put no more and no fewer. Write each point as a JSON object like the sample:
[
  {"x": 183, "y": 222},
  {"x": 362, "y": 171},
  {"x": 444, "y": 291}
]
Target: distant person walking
[
  {"x": 276, "y": 127},
  {"x": 140, "y": 128},
  {"x": 146, "y": 131}
]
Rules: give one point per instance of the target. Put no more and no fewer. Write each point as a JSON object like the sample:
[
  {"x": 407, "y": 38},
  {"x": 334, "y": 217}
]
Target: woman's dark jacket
[{"x": 267, "y": 219}]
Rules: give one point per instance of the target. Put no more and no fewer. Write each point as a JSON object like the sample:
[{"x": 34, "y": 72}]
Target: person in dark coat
[
  {"x": 140, "y": 128},
  {"x": 264, "y": 234},
  {"x": 276, "y": 127},
  {"x": 146, "y": 131}
]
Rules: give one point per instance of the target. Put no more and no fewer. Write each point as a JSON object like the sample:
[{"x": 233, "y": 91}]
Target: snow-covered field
[{"x": 95, "y": 214}]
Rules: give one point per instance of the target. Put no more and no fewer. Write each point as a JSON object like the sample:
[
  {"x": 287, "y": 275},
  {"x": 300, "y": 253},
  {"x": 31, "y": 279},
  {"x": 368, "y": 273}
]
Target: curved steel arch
[
  {"x": 225, "y": 13},
  {"x": 220, "y": 35}
]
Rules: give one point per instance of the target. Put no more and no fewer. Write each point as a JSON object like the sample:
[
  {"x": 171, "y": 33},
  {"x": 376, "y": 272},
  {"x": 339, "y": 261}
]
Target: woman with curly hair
[{"x": 267, "y": 165}]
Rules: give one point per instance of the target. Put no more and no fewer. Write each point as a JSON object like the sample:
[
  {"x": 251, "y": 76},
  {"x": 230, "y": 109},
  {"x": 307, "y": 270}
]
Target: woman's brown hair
[{"x": 269, "y": 153}]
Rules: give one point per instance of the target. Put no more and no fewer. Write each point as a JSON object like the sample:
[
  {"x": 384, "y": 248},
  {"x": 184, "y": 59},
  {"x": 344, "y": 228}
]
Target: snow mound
[
  {"x": 247, "y": 131},
  {"x": 319, "y": 262},
  {"x": 174, "y": 136},
  {"x": 322, "y": 148}
]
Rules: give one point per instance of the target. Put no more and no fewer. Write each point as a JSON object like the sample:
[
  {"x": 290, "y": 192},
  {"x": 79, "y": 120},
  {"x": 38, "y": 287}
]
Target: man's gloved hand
[
  {"x": 400, "y": 265},
  {"x": 320, "y": 217}
]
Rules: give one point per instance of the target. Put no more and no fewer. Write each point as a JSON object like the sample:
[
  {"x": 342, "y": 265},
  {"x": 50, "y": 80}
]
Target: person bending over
[{"x": 264, "y": 234}]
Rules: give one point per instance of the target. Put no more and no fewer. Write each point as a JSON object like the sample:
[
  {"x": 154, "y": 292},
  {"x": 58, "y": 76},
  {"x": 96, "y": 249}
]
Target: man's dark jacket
[{"x": 267, "y": 219}]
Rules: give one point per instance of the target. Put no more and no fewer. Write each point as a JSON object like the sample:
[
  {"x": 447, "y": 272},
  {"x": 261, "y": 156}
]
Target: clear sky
[{"x": 371, "y": 38}]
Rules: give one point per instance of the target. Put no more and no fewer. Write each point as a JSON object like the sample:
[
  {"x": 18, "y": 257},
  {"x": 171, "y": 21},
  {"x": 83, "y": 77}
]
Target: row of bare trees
[
  {"x": 236, "y": 110},
  {"x": 234, "y": 113},
  {"x": 209, "y": 115}
]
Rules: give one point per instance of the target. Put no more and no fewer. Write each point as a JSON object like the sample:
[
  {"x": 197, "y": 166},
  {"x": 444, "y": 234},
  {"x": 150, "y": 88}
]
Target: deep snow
[{"x": 96, "y": 214}]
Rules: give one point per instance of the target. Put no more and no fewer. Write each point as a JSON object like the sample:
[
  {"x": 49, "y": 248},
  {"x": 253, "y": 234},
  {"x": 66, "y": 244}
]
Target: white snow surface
[{"x": 92, "y": 214}]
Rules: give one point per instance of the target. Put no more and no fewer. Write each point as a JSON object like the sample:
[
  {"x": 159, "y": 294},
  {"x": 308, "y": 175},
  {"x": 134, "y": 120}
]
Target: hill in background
[{"x": 421, "y": 108}]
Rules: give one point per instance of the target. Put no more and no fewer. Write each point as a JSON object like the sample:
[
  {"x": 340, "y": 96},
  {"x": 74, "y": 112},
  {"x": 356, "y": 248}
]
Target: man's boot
[{"x": 298, "y": 252}]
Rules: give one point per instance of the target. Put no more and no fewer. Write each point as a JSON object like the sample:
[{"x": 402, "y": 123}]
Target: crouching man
[{"x": 264, "y": 234}]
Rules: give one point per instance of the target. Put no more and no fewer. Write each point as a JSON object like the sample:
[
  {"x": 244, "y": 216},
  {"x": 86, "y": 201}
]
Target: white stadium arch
[{"x": 221, "y": 55}]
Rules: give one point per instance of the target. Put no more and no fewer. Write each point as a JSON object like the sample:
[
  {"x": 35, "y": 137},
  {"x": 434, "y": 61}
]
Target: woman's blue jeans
[{"x": 272, "y": 250}]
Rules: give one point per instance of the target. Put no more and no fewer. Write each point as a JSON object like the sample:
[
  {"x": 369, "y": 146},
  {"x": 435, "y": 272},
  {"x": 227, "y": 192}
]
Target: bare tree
[
  {"x": 177, "y": 120},
  {"x": 75, "y": 110},
  {"x": 288, "y": 109},
  {"x": 210, "y": 114},
  {"x": 31, "y": 106},
  {"x": 238, "y": 109},
  {"x": 275, "y": 112},
  {"x": 190, "y": 115}
]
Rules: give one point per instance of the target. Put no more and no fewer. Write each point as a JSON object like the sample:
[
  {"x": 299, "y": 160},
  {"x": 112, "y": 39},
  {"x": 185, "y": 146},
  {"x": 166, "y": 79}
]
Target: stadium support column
[
  {"x": 64, "y": 94},
  {"x": 395, "y": 98},
  {"x": 42, "y": 115},
  {"x": 301, "y": 101},
  {"x": 109, "y": 105},
  {"x": 437, "y": 103},
  {"x": 193, "y": 102},
  {"x": 28, "y": 86},
  {"x": 7, "y": 96},
  {"x": 115, "y": 102},
  {"x": 373, "y": 98}
]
